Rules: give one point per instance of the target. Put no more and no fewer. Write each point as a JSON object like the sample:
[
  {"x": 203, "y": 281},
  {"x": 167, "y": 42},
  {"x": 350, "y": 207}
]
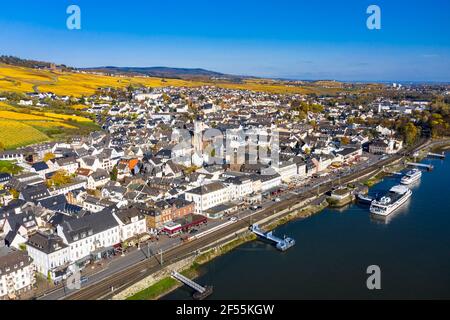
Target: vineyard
[
  {"x": 21, "y": 127},
  {"x": 14, "y": 134},
  {"x": 65, "y": 83}
]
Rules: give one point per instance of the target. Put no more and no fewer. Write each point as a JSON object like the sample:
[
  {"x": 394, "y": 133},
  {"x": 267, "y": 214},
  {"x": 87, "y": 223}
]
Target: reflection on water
[{"x": 403, "y": 210}]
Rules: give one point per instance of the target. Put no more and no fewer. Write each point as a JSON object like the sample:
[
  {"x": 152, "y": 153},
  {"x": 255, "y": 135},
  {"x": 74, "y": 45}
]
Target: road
[{"x": 139, "y": 264}]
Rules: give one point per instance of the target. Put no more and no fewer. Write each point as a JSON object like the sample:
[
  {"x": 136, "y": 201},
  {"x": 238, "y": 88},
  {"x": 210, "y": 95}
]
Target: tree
[
  {"x": 410, "y": 133},
  {"x": 60, "y": 178},
  {"x": 49, "y": 156},
  {"x": 2, "y": 146},
  {"x": 345, "y": 140},
  {"x": 114, "y": 173},
  {"x": 14, "y": 193}
]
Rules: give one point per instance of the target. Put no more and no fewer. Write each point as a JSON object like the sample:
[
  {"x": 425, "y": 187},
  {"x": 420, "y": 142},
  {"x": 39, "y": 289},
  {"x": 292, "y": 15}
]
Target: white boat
[
  {"x": 411, "y": 176},
  {"x": 390, "y": 202}
]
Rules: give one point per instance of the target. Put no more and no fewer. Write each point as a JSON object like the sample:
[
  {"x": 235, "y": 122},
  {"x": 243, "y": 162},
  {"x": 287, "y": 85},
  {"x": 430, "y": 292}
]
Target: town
[{"x": 172, "y": 163}]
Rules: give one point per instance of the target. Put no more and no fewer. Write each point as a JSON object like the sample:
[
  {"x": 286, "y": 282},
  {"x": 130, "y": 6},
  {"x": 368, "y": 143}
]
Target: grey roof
[
  {"x": 56, "y": 203},
  {"x": 47, "y": 243},
  {"x": 88, "y": 225},
  {"x": 14, "y": 261},
  {"x": 212, "y": 187},
  {"x": 34, "y": 193}
]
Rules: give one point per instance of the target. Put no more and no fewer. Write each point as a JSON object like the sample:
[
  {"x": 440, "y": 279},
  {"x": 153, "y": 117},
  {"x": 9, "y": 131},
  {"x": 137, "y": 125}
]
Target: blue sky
[{"x": 283, "y": 38}]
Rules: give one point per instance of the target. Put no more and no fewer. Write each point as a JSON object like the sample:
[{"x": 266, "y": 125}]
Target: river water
[{"x": 334, "y": 248}]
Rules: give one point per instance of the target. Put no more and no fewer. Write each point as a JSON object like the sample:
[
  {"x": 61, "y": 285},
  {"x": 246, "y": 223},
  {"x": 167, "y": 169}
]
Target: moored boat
[{"x": 390, "y": 202}]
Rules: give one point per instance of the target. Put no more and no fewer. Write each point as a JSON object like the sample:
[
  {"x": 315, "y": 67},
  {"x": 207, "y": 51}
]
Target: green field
[{"x": 9, "y": 167}]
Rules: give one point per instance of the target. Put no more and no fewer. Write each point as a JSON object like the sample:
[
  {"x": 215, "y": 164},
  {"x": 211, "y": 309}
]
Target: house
[
  {"x": 50, "y": 255},
  {"x": 241, "y": 186},
  {"x": 166, "y": 211},
  {"x": 41, "y": 168},
  {"x": 349, "y": 154},
  {"x": 388, "y": 146},
  {"x": 68, "y": 164},
  {"x": 208, "y": 196},
  {"x": 98, "y": 179},
  {"x": 90, "y": 162},
  {"x": 270, "y": 182},
  {"x": 5, "y": 197},
  {"x": 34, "y": 193},
  {"x": 12, "y": 156},
  {"x": 91, "y": 236},
  {"x": 17, "y": 274},
  {"x": 131, "y": 221},
  {"x": 93, "y": 204},
  {"x": 286, "y": 169},
  {"x": 4, "y": 178}
]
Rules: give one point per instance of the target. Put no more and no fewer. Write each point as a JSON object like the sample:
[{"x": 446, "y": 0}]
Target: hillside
[
  {"x": 164, "y": 72},
  {"x": 21, "y": 126},
  {"x": 18, "y": 76}
]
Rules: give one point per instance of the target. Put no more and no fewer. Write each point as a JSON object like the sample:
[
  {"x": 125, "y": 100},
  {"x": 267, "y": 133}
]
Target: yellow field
[
  {"x": 4, "y": 106},
  {"x": 79, "y": 107},
  {"x": 46, "y": 116},
  {"x": 20, "y": 129},
  {"x": 25, "y": 80},
  {"x": 20, "y": 116},
  {"x": 14, "y": 134},
  {"x": 66, "y": 117},
  {"x": 50, "y": 124}
]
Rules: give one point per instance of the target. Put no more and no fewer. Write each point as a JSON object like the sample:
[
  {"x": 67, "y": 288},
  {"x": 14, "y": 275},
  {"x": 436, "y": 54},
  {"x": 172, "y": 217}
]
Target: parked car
[{"x": 83, "y": 280}]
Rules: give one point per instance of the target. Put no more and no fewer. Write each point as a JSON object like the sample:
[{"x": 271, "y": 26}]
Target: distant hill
[
  {"x": 15, "y": 61},
  {"x": 164, "y": 72}
]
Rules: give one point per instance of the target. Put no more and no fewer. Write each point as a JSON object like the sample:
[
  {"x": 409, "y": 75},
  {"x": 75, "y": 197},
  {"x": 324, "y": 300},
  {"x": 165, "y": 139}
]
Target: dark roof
[
  {"x": 125, "y": 215},
  {"x": 88, "y": 225},
  {"x": 4, "y": 177},
  {"x": 212, "y": 187},
  {"x": 56, "y": 203},
  {"x": 14, "y": 261},
  {"x": 47, "y": 243},
  {"x": 39, "y": 166},
  {"x": 35, "y": 192},
  {"x": 58, "y": 218}
]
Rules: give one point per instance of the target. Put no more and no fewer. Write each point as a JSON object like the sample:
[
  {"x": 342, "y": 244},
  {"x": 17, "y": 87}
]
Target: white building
[
  {"x": 240, "y": 187},
  {"x": 50, "y": 254},
  {"x": 269, "y": 182},
  {"x": 90, "y": 235},
  {"x": 131, "y": 221},
  {"x": 17, "y": 274},
  {"x": 208, "y": 196},
  {"x": 98, "y": 179},
  {"x": 287, "y": 170}
]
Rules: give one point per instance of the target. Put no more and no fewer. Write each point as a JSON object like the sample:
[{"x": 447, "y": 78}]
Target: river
[{"x": 334, "y": 248}]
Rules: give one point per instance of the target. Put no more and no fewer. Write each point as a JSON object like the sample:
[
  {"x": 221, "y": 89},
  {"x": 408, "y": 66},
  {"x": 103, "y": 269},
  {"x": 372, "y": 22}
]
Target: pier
[
  {"x": 281, "y": 244},
  {"x": 429, "y": 167},
  {"x": 436, "y": 155},
  {"x": 202, "y": 292}
]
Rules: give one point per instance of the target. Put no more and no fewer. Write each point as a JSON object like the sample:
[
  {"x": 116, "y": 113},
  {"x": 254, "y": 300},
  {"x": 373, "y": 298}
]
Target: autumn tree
[
  {"x": 49, "y": 156},
  {"x": 60, "y": 178},
  {"x": 410, "y": 133}
]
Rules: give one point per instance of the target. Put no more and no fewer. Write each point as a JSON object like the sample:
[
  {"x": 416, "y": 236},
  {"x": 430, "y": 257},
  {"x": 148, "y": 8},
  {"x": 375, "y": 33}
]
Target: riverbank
[{"x": 167, "y": 284}]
